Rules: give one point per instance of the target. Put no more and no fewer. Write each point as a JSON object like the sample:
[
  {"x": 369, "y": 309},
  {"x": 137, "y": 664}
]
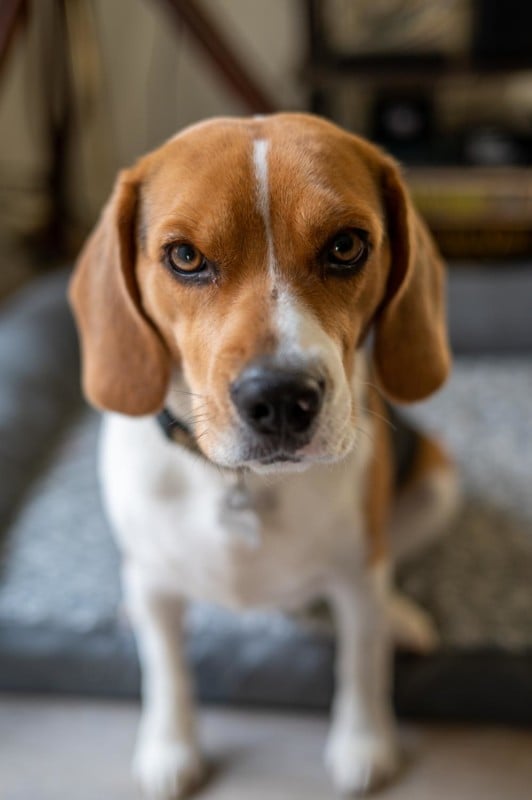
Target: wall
[{"x": 136, "y": 81}]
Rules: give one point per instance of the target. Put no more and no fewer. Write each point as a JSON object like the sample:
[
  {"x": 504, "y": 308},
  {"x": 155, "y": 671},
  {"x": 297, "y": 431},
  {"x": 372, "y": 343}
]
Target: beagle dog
[{"x": 253, "y": 290}]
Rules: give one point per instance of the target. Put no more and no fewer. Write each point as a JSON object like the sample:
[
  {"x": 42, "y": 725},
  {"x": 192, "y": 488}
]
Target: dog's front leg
[
  {"x": 361, "y": 751},
  {"x": 167, "y": 763}
]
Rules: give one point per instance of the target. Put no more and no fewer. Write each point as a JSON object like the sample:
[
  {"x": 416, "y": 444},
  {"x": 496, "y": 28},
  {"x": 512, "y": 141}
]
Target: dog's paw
[
  {"x": 167, "y": 770},
  {"x": 359, "y": 763}
]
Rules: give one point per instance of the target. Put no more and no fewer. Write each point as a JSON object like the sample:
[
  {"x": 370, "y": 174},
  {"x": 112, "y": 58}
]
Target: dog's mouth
[
  {"x": 278, "y": 463},
  {"x": 279, "y": 450},
  {"x": 279, "y": 458},
  {"x": 284, "y": 459}
]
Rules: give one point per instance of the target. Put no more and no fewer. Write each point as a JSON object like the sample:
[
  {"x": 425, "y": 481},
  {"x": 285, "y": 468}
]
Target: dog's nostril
[{"x": 260, "y": 411}]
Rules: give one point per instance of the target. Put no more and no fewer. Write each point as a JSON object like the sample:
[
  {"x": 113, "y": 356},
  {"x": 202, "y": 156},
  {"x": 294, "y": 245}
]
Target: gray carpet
[
  {"x": 476, "y": 582},
  {"x": 61, "y": 625}
]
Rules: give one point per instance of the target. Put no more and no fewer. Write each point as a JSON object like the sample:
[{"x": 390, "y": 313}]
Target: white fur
[
  {"x": 303, "y": 343},
  {"x": 260, "y": 162},
  {"x": 361, "y": 751},
  {"x": 167, "y": 761},
  {"x": 170, "y": 514}
]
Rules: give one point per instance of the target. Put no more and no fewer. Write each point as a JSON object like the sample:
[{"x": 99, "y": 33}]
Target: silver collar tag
[
  {"x": 238, "y": 497},
  {"x": 238, "y": 513}
]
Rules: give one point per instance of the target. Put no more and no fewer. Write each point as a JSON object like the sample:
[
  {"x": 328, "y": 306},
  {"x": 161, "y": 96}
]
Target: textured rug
[{"x": 62, "y": 627}]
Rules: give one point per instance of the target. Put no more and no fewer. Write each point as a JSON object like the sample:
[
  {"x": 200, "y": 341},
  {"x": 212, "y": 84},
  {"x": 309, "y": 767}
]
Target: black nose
[{"x": 277, "y": 402}]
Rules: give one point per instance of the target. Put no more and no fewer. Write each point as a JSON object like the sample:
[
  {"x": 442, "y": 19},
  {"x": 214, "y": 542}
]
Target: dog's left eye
[{"x": 348, "y": 249}]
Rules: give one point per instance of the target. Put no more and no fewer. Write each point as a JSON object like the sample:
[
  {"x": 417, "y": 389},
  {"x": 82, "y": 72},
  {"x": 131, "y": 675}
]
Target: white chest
[{"x": 262, "y": 541}]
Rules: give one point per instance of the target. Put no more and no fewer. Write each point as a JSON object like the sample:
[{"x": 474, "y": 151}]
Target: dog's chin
[
  {"x": 285, "y": 461},
  {"x": 282, "y": 464},
  {"x": 295, "y": 463}
]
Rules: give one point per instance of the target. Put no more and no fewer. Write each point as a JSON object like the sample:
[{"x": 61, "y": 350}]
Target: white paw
[
  {"x": 412, "y": 628},
  {"x": 167, "y": 770},
  {"x": 359, "y": 763}
]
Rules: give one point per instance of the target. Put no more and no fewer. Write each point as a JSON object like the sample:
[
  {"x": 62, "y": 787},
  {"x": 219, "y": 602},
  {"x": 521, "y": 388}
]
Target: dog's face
[{"x": 254, "y": 256}]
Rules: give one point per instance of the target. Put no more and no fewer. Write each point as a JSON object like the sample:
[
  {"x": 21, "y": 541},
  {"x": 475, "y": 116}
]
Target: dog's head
[{"x": 254, "y": 256}]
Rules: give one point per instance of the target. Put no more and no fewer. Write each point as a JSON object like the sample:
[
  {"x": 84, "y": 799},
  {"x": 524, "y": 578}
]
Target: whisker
[
  {"x": 190, "y": 394},
  {"x": 381, "y": 417},
  {"x": 198, "y": 415},
  {"x": 200, "y": 410},
  {"x": 373, "y": 385},
  {"x": 193, "y": 425},
  {"x": 359, "y": 429}
]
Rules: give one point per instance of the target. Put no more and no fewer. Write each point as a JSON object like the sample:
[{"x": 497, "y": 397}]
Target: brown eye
[
  {"x": 186, "y": 259},
  {"x": 347, "y": 249}
]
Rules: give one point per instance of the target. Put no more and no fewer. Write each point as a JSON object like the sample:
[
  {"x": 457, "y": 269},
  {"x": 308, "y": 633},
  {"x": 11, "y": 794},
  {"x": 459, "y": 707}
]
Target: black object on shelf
[
  {"x": 502, "y": 36},
  {"x": 403, "y": 121}
]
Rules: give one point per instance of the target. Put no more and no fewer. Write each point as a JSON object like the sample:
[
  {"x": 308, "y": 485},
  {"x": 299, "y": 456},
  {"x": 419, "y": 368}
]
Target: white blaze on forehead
[
  {"x": 260, "y": 161},
  {"x": 300, "y": 336}
]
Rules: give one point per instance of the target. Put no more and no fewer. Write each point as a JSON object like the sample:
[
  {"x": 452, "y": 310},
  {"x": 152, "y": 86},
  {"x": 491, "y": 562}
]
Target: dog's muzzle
[{"x": 278, "y": 406}]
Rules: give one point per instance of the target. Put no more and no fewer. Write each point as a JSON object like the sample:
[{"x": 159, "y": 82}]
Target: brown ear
[
  {"x": 125, "y": 364},
  {"x": 411, "y": 350}
]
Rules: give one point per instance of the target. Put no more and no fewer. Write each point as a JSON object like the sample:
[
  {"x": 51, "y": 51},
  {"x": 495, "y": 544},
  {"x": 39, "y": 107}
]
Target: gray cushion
[
  {"x": 39, "y": 389},
  {"x": 489, "y": 308},
  {"x": 61, "y": 624},
  {"x": 62, "y": 628}
]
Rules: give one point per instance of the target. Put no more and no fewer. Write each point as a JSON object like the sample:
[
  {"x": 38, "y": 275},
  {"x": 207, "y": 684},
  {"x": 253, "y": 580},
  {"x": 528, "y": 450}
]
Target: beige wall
[
  {"x": 159, "y": 81},
  {"x": 149, "y": 82}
]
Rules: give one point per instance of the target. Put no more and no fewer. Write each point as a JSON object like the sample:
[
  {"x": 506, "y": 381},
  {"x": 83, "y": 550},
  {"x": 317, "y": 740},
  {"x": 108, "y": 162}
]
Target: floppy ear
[
  {"x": 125, "y": 363},
  {"x": 411, "y": 350}
]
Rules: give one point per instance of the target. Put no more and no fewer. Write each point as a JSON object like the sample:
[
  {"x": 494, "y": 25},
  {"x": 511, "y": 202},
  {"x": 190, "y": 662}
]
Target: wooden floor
[{"x": 79, "y": 750}]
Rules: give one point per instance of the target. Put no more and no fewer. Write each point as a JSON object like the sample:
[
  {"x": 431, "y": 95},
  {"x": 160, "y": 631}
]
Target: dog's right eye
[{"x": 186, "y": 261}]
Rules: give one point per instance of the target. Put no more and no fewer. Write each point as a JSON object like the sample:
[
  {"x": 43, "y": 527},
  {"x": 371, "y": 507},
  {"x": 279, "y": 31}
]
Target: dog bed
[{"x": 62, "y": 627}]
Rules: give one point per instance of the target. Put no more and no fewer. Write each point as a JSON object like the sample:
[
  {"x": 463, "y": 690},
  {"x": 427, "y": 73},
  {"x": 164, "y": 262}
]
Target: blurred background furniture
[
  {"x": 71, "y": 49},
  {"x": 407, "y": 67}
]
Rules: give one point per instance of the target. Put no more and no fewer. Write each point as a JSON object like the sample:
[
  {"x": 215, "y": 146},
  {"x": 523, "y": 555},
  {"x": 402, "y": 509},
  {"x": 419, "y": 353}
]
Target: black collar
[{"x": 178, "y": 432}]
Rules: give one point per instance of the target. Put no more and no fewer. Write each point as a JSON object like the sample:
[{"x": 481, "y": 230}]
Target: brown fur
[
  {"x": 136, "y": 319},
  {"x": 125, "y": 363},
  {"x": 379, "y": 480},
  {"x": 430, "y": 455}
]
